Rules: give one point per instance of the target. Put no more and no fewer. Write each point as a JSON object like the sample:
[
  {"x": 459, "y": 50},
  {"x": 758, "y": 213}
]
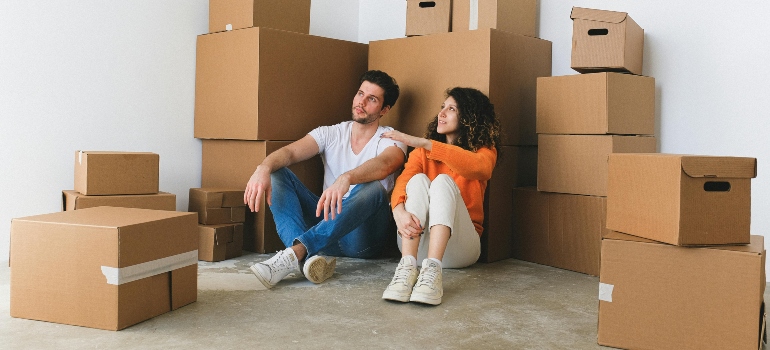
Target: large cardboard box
[
  {"x": 230, "y": 164},
  {"x": 681, "y": 199},
  {"x": 598, "y": 103},
  {"x": 217, "y": 205},
  {"x": 604, "y": 41},
  {"x": 103, "y": 267},
  {"x": 516, "y": 167},
  {"x": 428, "y": 17},
  {"x": 267, "y": 84},
  {"x": 72, "y": 200},
  {"x": 291, "y": 15},
  {"x": 658, "y": 296},
  {"x": 503, "y": 65},
  {"x": 515, "y": 16},
  {"x": 111, "y": 173},
  {"x": 220, "y": 242},
  {"x": 559, "y": 230},
  {"x": 577, "y": 164}
]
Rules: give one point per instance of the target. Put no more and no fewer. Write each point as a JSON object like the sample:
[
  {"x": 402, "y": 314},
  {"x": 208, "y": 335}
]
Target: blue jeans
[{"x": 360, "y": 231}]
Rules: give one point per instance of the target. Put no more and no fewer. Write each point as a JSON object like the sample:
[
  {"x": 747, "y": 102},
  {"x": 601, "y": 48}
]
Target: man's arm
[{"x": 259, "y": 183}]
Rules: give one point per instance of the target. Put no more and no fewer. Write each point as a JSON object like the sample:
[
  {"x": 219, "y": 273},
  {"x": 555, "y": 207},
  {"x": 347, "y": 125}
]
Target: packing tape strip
[
  {"x": 473, "y": 21},
  {"x": 120, "y": 275},
  {"x": 605, "y": 292},
  {"x": 80, "y": 157}
]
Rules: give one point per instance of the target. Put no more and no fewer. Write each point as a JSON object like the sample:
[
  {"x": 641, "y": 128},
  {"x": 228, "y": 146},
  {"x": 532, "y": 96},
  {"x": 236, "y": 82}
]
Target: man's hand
[
  {"x": 409, "y": 140},
  {"x": 257, "y": 188},
  {"x": 408, "y": 224},
  {"x": 331, "y": 199}
]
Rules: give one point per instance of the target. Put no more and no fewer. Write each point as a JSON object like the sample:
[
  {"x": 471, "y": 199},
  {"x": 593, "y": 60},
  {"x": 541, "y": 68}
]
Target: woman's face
[{"x": 448, "y": 118}]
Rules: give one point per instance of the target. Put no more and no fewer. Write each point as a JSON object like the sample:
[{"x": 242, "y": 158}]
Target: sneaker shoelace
[
  {"x": 428, "y": 277},
  {"x": 282, "y": 261},
  {"x": 402, "y": 274}
]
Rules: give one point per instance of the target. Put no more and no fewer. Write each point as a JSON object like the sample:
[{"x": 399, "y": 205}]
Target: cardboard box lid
[
  {"x": 757, "y": 245},
  {"x": 711, "y": 166},
  {"x": 218, "y": 197},
  {"x": 598, "y": 15}
]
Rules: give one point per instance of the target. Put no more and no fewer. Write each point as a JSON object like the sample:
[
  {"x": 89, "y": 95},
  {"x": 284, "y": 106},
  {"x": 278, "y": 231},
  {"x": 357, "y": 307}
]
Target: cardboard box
[
  {"x": 559, "y": 230},
  {"x": 514, "y": 16},
  {"x": 291, "y": 15},
  {"x": 112, "y": 173},
  {"x": 103, "y": 267},
  {"x": 681, "y": 199},
  {"x": 247, "y": 83},
  {"x": 598, "y": 103},
  {"x": 658, "y": 296},
  {"x": 428, "y": 17},
  {"x": 516, "y": 166},
  {"x": 217, "y": 206},
  {"x": 72, "y": 200},
  {"x": 230, "y": 164},
  {"x": 606, "y": 41},
  {"x": 577, "y": 164},
  {"x": 220, "y": 242},
  {"x": 502, "y": 65}
]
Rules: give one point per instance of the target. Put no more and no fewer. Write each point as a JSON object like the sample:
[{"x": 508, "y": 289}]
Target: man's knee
[{"x": 373, "y": 189}]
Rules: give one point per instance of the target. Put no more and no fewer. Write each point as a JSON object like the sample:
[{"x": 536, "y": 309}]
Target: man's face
[{"x": 367, "y": 104}]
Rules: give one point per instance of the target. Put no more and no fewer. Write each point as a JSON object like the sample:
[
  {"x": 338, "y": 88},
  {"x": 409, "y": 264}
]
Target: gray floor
[{"x": 504, "y": 305}]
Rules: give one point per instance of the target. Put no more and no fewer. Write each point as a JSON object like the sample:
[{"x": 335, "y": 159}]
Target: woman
[{"x": 438, "y": 200}]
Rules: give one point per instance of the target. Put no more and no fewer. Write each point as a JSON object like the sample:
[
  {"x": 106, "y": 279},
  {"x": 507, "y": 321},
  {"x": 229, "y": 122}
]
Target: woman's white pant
[{"x": 440, "y": 203}]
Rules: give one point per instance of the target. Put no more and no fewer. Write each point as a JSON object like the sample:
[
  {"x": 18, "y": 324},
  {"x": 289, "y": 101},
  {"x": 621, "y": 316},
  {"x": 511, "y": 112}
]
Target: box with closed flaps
[
  {"x": 514, "y": 16},
  {"x": 658, "y": 296},
  {"x": 597, "y": 103},
  {"x": 502, "y": 65},
  {"x": 428, "y": 17},
  {"x": 72, "y": 200},
  {"x": 291, "y": 15},
  {"x": 605, "y": 41},
  {"x": 103, "y": 267},
  {"x": 220, "y": 242},
  {"x": 217, "y": 205},
  {"x": 681, "y": 199},
  {"x": 113, "y": 173},
  {"x": 577, "y": 164},
  {"x": 247, "y": 83}
]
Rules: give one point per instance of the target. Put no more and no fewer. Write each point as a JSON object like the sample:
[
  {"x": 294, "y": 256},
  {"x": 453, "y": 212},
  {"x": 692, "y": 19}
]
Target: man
[{"x": 358, "y": 174}]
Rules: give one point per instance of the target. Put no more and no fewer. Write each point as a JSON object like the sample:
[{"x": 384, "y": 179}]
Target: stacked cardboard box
[
  {"x": 443, "y": 16},
  {"x": 221, "y": 214}
]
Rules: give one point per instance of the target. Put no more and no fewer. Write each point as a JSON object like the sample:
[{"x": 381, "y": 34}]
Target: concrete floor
[{"x": 504, "y": 305}]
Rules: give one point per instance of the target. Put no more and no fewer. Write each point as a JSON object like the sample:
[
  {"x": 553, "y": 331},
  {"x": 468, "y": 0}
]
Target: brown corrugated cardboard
[
  {"x": 504, "y": 66},
  {"x": 291, "y": 15},
  {"x": 250, "y": 83},
  {"x": 428, "y": 17},
  {"x": 658, "y": 296},
  {"x": 230, "y": 164},
  {"x": 577, "y": 164},
  {"x": 72, "y": 200},
  {"x": 516, "y": 166},
  {"x": 112, "y": 173},
  {"x": 560, "y": 230},
  {"x": 220, "y": 242},
  {"x": 598, "y": 103},
  {"x": 680, "y": 199},
  {"x": 606, "y": 41},
  {"x": 103, "y": 267},
  {"x": 217, "y": 206},
  {"x": 514, "y": 16}
]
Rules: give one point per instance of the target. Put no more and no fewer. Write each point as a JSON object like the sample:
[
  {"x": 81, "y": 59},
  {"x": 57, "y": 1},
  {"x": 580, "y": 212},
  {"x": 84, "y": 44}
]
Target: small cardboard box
[
  {"x": 577, "y": 164},
  {"x": 681, "y": 199},
  {"x": 514, "y": 16},
  {"x": 503, "y": 65},
  {"x": 428, "y": 17},
  {"x": 112, "y": 173},
  {"x": 230, "y": 164},
  {"x": 658, "y": 296},
  {"x": 220, "y": 242},
  {"x": 217, "y": 205},
  {"x": 598, "y": 103},
  {"x": 559, "y": 230},
  {"x": 247, "y": 81},
  {"x": 291, "y": 15},
  {"x": 604, "y": 41},
  {"x": 72, "y": 200},
  {"x": 103, "y": 267}
]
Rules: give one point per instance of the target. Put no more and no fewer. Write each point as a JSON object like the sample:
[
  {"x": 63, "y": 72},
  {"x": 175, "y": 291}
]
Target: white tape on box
[
  {"x": 473, "y": 21},
  {"x": 605, "y": 292},
  {"x": 117, "y": 276},
  {"x": 228, "y": 27},
  {"x": 80, "y": 157}
]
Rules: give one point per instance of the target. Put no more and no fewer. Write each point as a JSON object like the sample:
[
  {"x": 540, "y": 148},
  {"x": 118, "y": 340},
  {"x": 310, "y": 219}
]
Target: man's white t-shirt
[{"x": 338, "y": 157}]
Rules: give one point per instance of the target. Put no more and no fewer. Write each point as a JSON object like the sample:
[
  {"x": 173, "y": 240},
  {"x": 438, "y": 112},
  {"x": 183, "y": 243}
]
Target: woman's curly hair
[{"x": 478, "y": 123}]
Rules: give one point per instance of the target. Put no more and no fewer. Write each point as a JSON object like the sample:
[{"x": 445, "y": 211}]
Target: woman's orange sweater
[{"x": 470, "y": 171}]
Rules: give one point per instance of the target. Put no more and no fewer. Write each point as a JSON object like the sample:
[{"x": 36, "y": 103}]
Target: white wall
[
  {"x": 336, "y": 19},
  {"x": 381, "y": 19}
]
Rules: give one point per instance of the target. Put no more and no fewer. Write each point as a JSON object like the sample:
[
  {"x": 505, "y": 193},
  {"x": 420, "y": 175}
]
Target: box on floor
[
  {"x": 72, "y": 200},
  {"x": 606, "y": 41},
  {"x": 114, "y": 173},
  {"x": 220, "y": 242},
  {"x": 291, "y": 15}
]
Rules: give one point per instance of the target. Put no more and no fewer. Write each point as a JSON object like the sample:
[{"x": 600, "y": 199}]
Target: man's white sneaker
[
  {"x": 272, "y": 270},
  {"x": 428, "y": 289},
  {"x": 319, "y": 268},
  {"x": 400, "y": 288}
]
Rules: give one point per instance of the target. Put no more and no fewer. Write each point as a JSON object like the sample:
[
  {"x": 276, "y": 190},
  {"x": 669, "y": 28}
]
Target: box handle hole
[
  {"x": 601, "y": 31},
  {"x": 716, "y": 186},
  {"x": 427, "y": 4}
]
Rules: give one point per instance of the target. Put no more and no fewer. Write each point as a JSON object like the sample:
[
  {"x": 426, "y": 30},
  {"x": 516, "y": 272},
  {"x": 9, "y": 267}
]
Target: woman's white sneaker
[
  {"x": 400, "y": 288},
  {"x": 428, "y": 289}
]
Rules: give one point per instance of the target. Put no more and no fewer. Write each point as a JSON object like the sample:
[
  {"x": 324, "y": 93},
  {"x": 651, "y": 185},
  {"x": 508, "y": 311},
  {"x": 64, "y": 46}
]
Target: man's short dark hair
[{"x": 386, "y": 82}]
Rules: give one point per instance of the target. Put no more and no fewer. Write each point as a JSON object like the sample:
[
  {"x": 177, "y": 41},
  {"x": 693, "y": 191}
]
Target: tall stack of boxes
[
  {"x": 500, "y": 57},
  {"x": 261, "y": 83}
]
